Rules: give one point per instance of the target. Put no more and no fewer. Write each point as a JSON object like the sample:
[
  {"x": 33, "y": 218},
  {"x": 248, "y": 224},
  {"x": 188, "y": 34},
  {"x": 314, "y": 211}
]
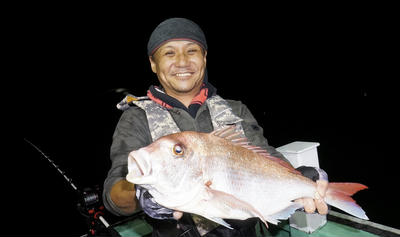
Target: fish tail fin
[{"x": 339, "y": 195}]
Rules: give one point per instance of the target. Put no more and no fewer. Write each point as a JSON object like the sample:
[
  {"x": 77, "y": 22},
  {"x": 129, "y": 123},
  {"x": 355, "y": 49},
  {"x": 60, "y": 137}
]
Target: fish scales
[
  {"x": 214, "y": 176},
  {"x": 248, "y": 172}
]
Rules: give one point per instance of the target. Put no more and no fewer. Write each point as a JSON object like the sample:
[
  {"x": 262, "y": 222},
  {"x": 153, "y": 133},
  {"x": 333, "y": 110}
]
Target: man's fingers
[
  {"x": 318, "y": 203},
  {"x": 177, "y": 215},
  {"x": 309, "y": 205},
  {"x": 321, "y": 206},
  {"x": 322, "y": 186},
  {"x": 300, "y": 200}
]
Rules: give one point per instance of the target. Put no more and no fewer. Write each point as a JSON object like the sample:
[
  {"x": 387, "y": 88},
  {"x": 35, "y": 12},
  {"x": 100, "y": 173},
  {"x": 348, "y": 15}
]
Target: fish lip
[
  {"x": 137, "y": 165},
  {"x": 139, "y": 168},
  {"x": 136, "y": 162}
]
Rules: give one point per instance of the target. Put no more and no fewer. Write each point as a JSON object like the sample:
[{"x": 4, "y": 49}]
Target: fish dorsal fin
[{"x": 229, "y": 133}]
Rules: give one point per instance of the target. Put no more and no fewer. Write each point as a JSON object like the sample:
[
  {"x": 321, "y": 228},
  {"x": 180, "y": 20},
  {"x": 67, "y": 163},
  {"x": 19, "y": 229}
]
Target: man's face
[{"x": 179, "y": 66}]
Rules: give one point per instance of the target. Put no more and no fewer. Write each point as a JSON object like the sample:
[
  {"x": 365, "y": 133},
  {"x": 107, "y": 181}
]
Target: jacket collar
[{"x": 160, "y": 97}]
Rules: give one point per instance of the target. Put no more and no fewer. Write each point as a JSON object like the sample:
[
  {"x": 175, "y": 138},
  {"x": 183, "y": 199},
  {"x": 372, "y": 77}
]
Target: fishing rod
[
  {"x": 90, "y": 205},
  {"x": 69, "y": 180}
]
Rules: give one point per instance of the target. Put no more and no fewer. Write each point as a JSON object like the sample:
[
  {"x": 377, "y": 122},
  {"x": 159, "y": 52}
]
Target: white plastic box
[
  {"x": 307, "y": 222},
  {"x": 299, "y": 154}
]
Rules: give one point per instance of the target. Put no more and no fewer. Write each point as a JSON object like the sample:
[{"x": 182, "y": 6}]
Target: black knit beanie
[{"x": 175, "y": 29}]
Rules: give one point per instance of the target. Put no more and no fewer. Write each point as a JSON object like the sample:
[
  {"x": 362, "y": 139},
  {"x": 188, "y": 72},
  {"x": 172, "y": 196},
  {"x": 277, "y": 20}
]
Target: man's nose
[{"x": 182, "y": 60}]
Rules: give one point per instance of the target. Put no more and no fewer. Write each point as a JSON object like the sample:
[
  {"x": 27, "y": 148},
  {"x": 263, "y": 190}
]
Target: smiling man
[
  {"x": 184, "y": 101},
  {"x": 180, "y": 67}
]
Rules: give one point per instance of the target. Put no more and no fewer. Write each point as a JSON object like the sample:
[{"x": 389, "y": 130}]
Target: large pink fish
[{"x": 218, "y": 175}]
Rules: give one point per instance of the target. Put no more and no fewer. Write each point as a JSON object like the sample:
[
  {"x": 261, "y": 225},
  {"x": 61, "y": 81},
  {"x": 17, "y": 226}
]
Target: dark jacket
[{"x": 132, "y": 132}]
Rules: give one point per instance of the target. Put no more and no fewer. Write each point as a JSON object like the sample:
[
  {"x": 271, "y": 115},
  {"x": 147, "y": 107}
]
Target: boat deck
[{"x": 338, "y": 224}]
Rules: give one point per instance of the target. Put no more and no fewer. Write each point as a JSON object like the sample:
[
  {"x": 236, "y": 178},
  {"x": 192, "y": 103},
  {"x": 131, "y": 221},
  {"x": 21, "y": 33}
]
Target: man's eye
[
  {"x": 169, "y": 53},
  {"x": 192, "y": 51}
]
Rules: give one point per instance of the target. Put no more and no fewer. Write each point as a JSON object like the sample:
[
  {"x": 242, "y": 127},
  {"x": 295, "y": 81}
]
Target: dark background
[{"x": 308, "y": 73}]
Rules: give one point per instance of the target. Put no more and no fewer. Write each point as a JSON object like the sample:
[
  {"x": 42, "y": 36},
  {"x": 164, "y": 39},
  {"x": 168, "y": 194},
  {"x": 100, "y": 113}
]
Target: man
[{"x": 177, "y": 50}]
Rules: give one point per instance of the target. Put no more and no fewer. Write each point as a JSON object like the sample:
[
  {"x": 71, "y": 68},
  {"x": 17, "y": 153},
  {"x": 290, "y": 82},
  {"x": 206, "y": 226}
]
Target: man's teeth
[{"x": 183, "y": 74}]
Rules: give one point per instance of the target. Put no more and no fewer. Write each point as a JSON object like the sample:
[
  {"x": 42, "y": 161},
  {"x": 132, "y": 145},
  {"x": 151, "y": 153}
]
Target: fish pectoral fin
[
  {"x": 284, "y": 214},
  {"x": 220, "y": 221},
  {"x": 231, "y": 206}
]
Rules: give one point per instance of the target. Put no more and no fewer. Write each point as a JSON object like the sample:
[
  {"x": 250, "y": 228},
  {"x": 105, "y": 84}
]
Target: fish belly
[{"x": 267, "y": 194}]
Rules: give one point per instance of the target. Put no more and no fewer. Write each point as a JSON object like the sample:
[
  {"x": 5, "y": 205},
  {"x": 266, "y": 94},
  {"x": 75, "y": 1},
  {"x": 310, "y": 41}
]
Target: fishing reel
[
  {"x": 91, "y": 207},
  {"x": 90, "y": 199}
]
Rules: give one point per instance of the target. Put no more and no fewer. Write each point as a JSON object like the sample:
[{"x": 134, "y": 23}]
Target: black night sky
[{"x": 324, "y": 75}]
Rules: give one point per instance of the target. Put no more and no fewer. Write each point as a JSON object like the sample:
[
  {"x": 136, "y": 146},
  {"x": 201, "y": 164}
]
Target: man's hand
[
  {"x": 123, "y": 196},
  {"x": 318, "y": 203},
  {"x": 177, "y": 215},
  {"x": 152, "y": 208}
]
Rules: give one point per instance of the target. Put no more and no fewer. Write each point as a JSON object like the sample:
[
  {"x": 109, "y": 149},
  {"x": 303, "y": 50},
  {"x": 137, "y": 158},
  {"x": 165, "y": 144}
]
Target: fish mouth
[
  {"x": 133, "y": 166},
  {"x": 138, "y": 167}
]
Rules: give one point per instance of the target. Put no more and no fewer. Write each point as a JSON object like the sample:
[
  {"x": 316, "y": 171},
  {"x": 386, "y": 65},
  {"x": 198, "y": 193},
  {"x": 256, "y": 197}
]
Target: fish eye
[{"x": 178, "y": 150}]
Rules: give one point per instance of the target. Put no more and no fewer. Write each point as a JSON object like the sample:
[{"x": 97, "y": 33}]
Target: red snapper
[{"x": 219, "y": 176}]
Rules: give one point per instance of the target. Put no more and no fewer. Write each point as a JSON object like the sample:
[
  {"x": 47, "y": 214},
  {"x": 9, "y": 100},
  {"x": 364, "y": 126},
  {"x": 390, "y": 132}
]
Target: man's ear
[
  {"x": 153, "y": 64},
  {"x": 205, "y": 57}
]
